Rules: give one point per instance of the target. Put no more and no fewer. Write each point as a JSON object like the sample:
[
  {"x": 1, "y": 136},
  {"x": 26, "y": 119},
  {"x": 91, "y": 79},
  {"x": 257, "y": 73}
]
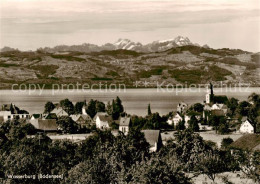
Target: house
[
  {"x": 175, "y": 119},
  {"x": 246, "y": 126},
  {"x": 103, "y": 121},
  {"x": 247, "y": 142},
  {"x": 99, "y": 114},
  {"x": 214, "y": 110},
  {"x": 82, "y": 119},
  {"x": 182, "y": 107},
  {"x": 124, "y": 124},
  {"x": 153, "y": 137},
  {"x": 45, "y": 124},
  {"x": 6, "y": 115},
  {"x": 59, "y": 112},
  {"x": 222, "y": 107}
]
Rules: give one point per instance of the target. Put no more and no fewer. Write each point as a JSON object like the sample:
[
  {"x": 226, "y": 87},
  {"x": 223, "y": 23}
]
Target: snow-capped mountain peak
[
  {"x": 126, "y": 44},
  {"x": 182, "y": 41}
]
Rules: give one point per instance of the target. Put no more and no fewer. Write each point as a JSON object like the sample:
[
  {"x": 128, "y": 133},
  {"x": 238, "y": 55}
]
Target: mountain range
[
  {"x": 126, "y": 44},
  {"x": 174, "y": 61}
]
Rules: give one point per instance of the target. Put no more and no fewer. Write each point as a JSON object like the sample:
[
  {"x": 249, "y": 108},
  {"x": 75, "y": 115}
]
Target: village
[
  {"x": 221, "y": 133},
  {"x": 213, "y": 117}
]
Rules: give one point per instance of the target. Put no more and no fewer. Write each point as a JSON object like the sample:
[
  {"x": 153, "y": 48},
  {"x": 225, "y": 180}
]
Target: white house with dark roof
[
  {"x": 99, "y": 114},
  {"x": 175, "y": 119},
  {"x": 124, "y": 124},
  {"x": 103, "y": 121},
  {"x": 246, "y": 126},
  {"x": 153, "y": 137}
]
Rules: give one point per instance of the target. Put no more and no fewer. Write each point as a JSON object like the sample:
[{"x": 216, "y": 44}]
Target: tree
[
  {"x": 198, "y": 107},
  {"x": 67, "y": 105},
  {"x": 100, "y": 106},
  {"x": 157, "y": 171},
  {"x": 181, "y": 125},
  {"x": 117, "y": 108},
  {"x": 255, "y": 98},
  {"x": 223, "y": 128},
  {"x": 219, "y": 123},
  {"x": 249, "y": 163},
  {"x": 95, "y": 106},
  {"x": 232, "y": 105},
  {"x": 49, "y": 106},
  {"x": 193, "y": 124},
  {"x": 113, "y": 159},
  {"x": 91, "y": 108},
  {"x": 78, "y": 107},
  {"x": 67, "y": 125},
  {"x": 225, "y": 143},
  {"x": 149, "y": 110},
  {"x": 109, "y": 108},
  {"x": 119, "y": 105},
  {"x": 210, "y": 164},
  {"x": 243, "y": 108}
]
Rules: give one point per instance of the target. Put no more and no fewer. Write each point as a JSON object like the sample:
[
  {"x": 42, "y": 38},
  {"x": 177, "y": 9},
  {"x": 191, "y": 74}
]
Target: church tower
[{"x": 210, "y": 94}]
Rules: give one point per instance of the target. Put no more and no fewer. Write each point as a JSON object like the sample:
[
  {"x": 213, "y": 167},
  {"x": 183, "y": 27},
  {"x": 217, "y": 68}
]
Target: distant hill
[{"x": 185, "y": 64}]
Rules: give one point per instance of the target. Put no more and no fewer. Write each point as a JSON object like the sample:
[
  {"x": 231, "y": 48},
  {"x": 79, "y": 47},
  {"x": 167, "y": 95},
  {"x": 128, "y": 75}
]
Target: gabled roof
[
  {"x": 59, "y": 110},
  {"x": 44, "y": 124},
  {"x": 125, "y": 121},
  {"x": 152, "y": 136},
  {"x": 248, "y": 141},
  {"x": 99, "y": 114},
  {"x": 105, "y": 118},
  {"x": 76, "y": 117},
  {"x": 244, "y": 118}
]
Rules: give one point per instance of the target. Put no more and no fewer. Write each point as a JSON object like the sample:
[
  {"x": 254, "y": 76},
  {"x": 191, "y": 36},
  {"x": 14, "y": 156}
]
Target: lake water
[{"x": 135, "y": 101}]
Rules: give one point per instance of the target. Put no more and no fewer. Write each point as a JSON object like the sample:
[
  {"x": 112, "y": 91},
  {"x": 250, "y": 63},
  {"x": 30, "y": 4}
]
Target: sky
[{"x": 30, "y": 24}]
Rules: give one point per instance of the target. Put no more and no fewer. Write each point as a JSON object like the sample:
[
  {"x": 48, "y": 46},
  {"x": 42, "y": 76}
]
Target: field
[
  {"x": 234, "y": 178},
  {"x": 208, "y": 135}
]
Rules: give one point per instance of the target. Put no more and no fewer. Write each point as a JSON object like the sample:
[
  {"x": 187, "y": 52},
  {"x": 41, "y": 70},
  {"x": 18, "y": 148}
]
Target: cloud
[{"x": 67, "y": 19}]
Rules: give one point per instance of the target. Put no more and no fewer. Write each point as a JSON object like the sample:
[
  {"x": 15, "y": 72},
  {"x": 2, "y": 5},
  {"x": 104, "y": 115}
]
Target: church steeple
[{"x": 210, "y": 94}]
